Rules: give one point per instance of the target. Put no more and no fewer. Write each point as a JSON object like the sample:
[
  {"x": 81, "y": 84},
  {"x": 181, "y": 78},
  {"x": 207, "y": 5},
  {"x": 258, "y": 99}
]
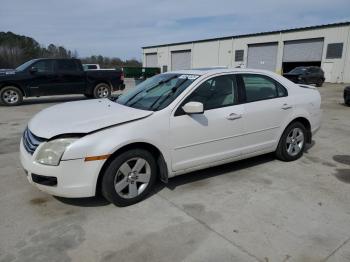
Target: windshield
[
  {"x": 298, "y": 70},
  {"x": 24, "y": 66},
  {"x": 156, "y": 92}
]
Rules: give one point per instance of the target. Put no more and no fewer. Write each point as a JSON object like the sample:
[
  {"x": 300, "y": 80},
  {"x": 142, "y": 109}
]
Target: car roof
[{"x": 213, "y": 71}]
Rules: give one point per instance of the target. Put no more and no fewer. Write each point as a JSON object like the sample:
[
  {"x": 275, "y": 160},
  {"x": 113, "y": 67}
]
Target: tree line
[{"x": 17, "y": 49}]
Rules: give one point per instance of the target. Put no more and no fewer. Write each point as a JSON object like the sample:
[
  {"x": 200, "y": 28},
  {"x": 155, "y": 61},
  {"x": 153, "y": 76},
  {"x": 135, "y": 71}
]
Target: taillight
[{"x": 122, "y": 76}]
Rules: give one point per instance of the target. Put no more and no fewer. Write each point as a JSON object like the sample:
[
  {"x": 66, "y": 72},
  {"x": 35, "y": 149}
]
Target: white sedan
[{"x": 170, "y": 124}]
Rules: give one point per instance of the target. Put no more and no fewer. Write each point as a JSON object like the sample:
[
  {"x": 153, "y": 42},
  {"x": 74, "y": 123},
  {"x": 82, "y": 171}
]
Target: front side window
[
  {"x": 298, "y": 70},
  {"x": 258, "y": 87},
  {"x": 44, "y": 66},
  {"x": 220, "y": 91},
  {"x": 157, "y": 92}
]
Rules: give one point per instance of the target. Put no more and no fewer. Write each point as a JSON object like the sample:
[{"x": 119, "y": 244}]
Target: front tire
[
  {"x": 129, "y": 178},
  {"x": 11, "y": 96},
  {"x": 292, "y": 143},
  {"x": 102, "y": 90}
]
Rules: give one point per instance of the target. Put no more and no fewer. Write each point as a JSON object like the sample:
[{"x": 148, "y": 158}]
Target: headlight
[
  {"x": 299, "y": 78},
  {"x": 51, "y": 152}
]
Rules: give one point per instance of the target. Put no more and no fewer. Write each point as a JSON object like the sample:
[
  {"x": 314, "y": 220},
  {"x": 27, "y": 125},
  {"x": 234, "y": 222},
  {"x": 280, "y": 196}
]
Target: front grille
[{"x": 30, "y": 141}]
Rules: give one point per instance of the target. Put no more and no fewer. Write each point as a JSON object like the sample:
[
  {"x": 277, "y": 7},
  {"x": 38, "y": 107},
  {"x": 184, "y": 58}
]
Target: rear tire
[
  {"x": 129, "y": 178},
  {"x": 292, "y": 143},
  {"x": 11, "y": 96},
  {"x": 102, "y": 90}
]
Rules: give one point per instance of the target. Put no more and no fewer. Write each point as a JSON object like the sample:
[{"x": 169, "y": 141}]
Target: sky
[{"x": 119, "y": 28}]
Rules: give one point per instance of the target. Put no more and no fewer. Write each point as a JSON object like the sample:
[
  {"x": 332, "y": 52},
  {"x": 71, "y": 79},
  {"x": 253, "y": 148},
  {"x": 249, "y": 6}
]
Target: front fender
[{"x": 108, "y": 141}]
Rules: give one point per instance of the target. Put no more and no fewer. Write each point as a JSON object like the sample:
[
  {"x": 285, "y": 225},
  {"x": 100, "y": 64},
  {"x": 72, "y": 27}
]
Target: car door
[
  {"x": 266, "y": 108},
  {"x": 42, "y": 78},
  {"x": 200, "y": 139},
  {"x": 72, "y": 78}
]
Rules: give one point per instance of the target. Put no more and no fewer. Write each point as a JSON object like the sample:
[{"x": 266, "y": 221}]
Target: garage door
[
  {"x": 152, "y": 60},
  {"x": 262, "y": 56},
  {"x": 307, "y": 50},
  {"x": 181, "y": 60}
]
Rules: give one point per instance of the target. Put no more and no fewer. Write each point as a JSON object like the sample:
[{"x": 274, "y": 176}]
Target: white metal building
[{"x": 327, "y": 46}]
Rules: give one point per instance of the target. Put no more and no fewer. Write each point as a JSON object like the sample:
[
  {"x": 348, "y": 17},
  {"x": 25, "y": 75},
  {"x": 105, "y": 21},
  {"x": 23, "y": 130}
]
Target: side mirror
[
  {"x": 33, "y": 70},
  {"x": 193, "y": 108}
]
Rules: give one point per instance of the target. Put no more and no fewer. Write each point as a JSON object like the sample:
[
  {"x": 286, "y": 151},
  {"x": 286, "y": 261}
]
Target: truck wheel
[
  {"x": 11, "y": 96},
  {"x": 102, "y": 91}
]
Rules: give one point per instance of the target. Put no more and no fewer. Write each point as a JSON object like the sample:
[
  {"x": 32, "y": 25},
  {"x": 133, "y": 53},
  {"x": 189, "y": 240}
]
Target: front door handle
[
  {"x": 286, "y": 106},
  {"x": 233, "y": 116}
]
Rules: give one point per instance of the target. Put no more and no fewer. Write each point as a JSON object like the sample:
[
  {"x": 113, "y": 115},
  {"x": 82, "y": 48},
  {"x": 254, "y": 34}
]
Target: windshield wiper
[{"x": 171, "y": 92}]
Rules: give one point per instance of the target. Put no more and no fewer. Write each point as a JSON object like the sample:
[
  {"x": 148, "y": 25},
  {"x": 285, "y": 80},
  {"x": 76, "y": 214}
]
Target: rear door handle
[
  {"x": 233, "y": 116},
  {"x": 286, "y": 106}
]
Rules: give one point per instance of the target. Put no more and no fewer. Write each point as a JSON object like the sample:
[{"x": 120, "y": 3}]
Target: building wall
[{"x": 222, "y": 52}]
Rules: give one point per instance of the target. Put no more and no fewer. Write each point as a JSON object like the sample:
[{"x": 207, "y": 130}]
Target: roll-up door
[
  {"x": 262, "y": 56},
  {"x": 307, "y": 50},
  {"x": 180, "y": 60},
  {"x": 151, "y": 60}
]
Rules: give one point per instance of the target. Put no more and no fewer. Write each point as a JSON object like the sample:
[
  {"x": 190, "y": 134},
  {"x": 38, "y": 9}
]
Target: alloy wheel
[
  {"x": 132, "y": 177},
  {"x": 102, "y": 92},
  {"x": 10, "y": 96},
  {"x": 295, "y": 141}
]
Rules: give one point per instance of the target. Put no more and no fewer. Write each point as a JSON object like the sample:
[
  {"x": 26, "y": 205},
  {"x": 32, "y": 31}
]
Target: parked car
[
  {"x": 347, "y": 95},
  {"x": 91, "y": 67},
  {"x": 306, "y": 75},
  {"x": 170, "y": 124},
  {"x": 46, "y": 77}
]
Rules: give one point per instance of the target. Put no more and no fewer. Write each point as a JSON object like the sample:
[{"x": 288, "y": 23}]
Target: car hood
[
  {"x": 7, "y": 72},
  {"x": 82, "y": 117}
]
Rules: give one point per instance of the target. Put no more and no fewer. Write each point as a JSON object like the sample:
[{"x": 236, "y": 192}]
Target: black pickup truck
[{"x": 46, "y": 77}]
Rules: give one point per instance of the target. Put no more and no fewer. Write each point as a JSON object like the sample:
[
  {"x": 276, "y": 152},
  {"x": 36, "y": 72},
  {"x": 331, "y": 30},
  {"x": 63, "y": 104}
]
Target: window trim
[
  {"x": 178, "y": 109},
  {"x": 331, "y": 56},
  {"x": 239, "y": 50},
  {"x": 240, "y": 82}
]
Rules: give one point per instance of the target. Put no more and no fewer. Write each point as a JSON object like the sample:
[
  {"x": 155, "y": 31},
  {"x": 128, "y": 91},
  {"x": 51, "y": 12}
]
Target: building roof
[
  {"x": 255, "y": 34},
  {"x": 213, "y": 71}
]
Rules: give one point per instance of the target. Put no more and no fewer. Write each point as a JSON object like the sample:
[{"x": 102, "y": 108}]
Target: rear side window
[
  {"x": 44, "y": 66},
  {"x": 216, "y": 92},
  {"x": 258, "y": 87},
  {"x": 92, "y": 66},
  {"x": 67, "y": 65}
]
